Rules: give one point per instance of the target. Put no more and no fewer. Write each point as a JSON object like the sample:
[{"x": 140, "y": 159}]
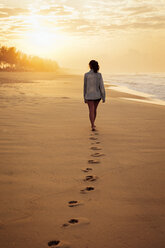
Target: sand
[{"x": 62, "y": 185}]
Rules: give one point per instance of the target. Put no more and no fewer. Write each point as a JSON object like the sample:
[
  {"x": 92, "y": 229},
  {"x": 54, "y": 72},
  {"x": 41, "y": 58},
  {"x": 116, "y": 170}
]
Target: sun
[
  {"x": 40, "y": 42},
  {"x": 41, "y": 39},
  {"x": 44, "y": 42}
]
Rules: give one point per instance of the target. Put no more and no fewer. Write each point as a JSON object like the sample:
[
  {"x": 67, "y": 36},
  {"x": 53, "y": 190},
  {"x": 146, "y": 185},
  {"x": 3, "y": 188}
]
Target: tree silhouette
[{"x": 13, "y": 60}]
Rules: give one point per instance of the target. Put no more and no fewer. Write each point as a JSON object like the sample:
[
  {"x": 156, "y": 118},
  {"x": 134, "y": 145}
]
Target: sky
[{"x": 123, "y": 36}]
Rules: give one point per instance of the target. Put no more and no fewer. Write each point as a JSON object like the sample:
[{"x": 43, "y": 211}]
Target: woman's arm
[
  {"x": 102, "y": 89},
  {"x": 85, "y": 86}
]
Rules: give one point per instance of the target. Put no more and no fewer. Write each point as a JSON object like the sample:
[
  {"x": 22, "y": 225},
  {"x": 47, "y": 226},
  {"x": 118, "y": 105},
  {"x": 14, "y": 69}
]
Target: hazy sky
[{"x": 124, "y": 36}]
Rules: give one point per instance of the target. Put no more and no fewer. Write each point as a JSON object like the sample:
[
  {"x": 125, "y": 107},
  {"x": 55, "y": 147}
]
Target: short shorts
[{"x": 95, "y": 100}]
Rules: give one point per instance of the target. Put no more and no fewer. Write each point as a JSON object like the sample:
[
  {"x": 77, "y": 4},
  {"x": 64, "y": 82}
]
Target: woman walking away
[{"x": 93, "y": 90}]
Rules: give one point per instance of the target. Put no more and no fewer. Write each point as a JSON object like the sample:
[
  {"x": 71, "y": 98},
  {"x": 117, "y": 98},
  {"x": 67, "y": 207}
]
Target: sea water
[{"x": 148, "y": 84}]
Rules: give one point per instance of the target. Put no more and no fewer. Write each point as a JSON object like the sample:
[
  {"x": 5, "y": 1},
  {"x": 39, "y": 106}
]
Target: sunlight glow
[{"x": 41, "y": 39}]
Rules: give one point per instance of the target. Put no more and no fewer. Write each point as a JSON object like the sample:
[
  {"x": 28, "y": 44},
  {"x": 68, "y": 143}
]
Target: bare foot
[{"x": 93, "y": 128}]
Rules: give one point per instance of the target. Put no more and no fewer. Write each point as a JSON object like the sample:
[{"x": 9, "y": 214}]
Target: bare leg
[
  {"x": 91, "y": 113},
  {"x": 95, "y": 108}
]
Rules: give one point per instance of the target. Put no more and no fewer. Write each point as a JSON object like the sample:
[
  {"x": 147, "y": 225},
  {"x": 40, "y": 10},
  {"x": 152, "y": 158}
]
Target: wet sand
[{"x": 62, "y": 185}]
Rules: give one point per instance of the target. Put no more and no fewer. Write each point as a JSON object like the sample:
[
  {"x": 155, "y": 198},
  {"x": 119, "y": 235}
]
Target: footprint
[
  {"x": 73, "y": 221},
  {"x": 74, "y": 204},
  {"x": 91, "y": 161},
  {"x": 87, "y": 169},
  {"x": 95, "y": 148},
  {"x": 91, "y": 178},
  {"x": 53, "y": 242},
  {"x": 84, "y": 191},
  {"x": 76, "y": 222},
  {"x": 59, "y": 244},
  {"x": 93, "y": 138},
  {"x": 65, "y": 97},
  {"x": 97, "y": 154},
  {"x": 96, "y": 142},
  {"x": 94, "y": 133}
]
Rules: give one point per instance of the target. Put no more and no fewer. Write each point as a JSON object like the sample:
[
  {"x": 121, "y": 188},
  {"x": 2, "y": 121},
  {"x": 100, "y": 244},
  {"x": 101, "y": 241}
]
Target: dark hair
[{"x": 94, "y": 65}]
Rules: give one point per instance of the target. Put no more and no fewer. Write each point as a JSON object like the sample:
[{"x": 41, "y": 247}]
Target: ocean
[{"x": 151, "y": 85}]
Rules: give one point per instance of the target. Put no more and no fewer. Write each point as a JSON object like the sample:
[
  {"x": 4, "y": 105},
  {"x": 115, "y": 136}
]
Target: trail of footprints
[{"x": 89, "y": 178}]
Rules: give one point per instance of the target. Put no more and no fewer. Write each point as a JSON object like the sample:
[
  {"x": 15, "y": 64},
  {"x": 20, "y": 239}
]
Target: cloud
[
  {"x": 55, "y": 10},
  {"x": 140, "y": 9},
  {"x": 93, "y": 18},
  {"x": 135, "y": 26},
  {"x": 18, "y": 28},
  {"x": 3, "y": 15},
  {"x": 157, "y": 19},
  {"x": 6, "y": 12},
  {"x": 148, "y": 25},
  {"x": 78, "y": 26}
]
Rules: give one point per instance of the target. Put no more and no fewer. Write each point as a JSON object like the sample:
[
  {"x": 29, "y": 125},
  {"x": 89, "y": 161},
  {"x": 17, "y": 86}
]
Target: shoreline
[
  {"x": 149, "y": 85},
  {"x": 138, "y": 96}
]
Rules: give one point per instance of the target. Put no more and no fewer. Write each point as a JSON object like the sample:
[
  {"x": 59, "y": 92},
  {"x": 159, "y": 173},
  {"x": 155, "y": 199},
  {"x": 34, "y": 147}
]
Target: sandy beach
[{"x": 61, "y": 182}]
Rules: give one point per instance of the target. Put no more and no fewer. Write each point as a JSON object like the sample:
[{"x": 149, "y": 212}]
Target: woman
[{"x": 93, "y": 90}]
